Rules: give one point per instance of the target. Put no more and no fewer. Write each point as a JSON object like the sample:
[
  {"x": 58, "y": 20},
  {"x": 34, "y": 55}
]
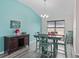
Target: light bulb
[
  {"x": 47, "y": 16},
  {"x": 44, "y": 16}
]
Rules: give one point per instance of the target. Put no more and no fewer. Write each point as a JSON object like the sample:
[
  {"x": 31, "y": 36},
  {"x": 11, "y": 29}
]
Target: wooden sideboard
[{"x": 14, "y": 43}]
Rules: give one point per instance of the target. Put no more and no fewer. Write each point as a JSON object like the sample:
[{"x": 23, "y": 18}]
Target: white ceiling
[{"x": 54, "y": 7}]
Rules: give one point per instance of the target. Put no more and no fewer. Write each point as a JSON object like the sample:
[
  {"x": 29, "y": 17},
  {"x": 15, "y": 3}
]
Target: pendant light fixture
[{"x": 45, "y": 10}]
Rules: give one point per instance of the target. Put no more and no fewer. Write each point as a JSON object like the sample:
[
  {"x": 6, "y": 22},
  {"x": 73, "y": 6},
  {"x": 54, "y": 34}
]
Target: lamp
[{"x": 45, "y": 9}]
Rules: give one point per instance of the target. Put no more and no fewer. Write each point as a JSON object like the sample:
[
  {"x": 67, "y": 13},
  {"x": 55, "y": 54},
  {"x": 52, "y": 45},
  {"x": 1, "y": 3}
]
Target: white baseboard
[{"x": 2, "y": 52}]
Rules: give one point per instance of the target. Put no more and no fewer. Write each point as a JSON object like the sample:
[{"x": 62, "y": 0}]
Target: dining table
[
  {"x": 55, "y": 43},
  {"x": 55, "y": 39}
]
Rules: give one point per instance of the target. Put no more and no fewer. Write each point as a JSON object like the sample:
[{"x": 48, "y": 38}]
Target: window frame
[{"x": 55, "y": 21}]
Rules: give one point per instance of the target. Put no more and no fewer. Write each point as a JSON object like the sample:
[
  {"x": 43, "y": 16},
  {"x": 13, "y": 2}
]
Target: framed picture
[{"x": 15, "y": 24}]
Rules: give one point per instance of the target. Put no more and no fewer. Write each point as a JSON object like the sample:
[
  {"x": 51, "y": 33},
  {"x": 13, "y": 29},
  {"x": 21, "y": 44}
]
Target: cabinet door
[
  {"x": 26, "y": 41},
  {"x": 13, "y": 45}
]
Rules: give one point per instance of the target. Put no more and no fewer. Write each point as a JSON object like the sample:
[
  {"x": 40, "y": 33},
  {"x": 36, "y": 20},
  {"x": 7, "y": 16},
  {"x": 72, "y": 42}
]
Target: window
[{"x": 56, "y": 26}]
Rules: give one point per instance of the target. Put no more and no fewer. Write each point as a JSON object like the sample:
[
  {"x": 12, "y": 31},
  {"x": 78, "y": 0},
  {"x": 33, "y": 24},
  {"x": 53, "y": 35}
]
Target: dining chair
[
  {"x": 70, "y": 43},
  {"x": 44, "y": 45},
  {"x": 65, "y": 41},
  {"x": 37, "y": 40}
]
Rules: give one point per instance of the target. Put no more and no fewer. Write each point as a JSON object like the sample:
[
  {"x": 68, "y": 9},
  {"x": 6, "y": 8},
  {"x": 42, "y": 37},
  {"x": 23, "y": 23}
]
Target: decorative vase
[{"x": 17, "y": 31}]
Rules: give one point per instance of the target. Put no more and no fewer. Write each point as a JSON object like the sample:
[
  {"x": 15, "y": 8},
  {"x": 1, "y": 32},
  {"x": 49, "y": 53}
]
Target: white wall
[
  {"x": 68, "y": 23},
  {"x": 64, "y": 10}
]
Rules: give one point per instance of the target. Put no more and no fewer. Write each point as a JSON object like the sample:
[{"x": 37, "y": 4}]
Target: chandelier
[{"x": 45, "y": 10}]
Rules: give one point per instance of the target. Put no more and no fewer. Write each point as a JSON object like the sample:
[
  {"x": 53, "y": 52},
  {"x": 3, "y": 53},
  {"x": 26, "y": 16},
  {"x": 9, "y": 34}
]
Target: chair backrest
[
  {"x": 70, "y": 37},
  {"x": 43, "y": 38}
]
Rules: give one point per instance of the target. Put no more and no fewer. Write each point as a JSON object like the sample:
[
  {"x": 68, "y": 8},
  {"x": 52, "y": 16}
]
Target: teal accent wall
[{"x": 13, "y": 10}]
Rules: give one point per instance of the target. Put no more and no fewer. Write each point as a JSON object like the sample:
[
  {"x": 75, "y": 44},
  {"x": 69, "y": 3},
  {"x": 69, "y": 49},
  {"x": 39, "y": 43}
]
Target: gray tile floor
[{"x": 30, "y": 52}]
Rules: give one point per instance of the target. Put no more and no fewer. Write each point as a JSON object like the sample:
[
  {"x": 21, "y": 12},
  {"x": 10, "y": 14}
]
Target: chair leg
[
  {"x": 39, "y": 46},
  {"x": 56, "y": 47},
  {"x": 65, "y": 51},
  {"x": 36, "y": 45},
  {"x": 51, "y": 50}
]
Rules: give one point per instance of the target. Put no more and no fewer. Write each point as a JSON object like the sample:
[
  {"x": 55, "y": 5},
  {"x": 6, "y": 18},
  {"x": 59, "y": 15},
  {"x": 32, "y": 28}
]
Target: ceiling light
[{"x": 45, "y": 15}]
